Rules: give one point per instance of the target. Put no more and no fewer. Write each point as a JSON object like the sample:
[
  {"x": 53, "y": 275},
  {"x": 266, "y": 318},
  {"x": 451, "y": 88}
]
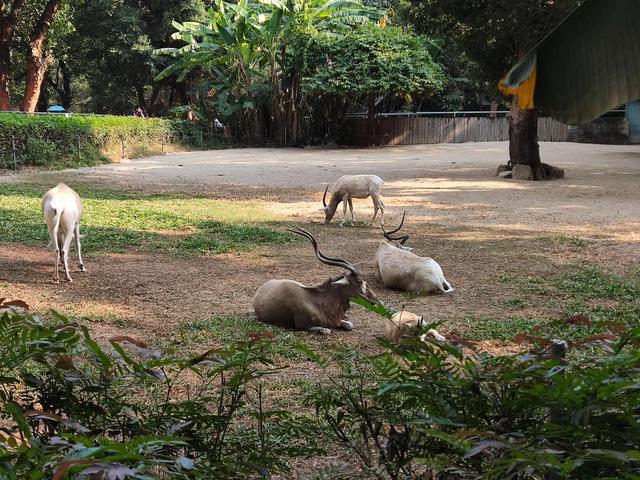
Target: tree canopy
[
  {"x": 262, "y": 62},
  {"x": 370, "y": 60},
  {"x": 494, "y": 34}
]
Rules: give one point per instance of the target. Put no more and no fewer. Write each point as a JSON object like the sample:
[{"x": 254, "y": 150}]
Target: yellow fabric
[{"x": 524, "y": 92}]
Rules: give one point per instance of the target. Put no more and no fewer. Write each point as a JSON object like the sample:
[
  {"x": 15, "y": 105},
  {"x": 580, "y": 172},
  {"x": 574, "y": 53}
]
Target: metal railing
[
  {"x": 453, "y": 114},
  {"x": 456, "y": 114},
  {"x": 66, "y": 114}
]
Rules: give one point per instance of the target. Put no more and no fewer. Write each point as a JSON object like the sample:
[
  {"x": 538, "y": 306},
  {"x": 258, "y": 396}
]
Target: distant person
[{"x": 138, "y": 112}]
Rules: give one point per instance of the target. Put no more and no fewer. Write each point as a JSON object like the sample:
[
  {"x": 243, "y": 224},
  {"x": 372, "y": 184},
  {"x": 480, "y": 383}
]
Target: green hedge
[{"x": 56, "y": 140}]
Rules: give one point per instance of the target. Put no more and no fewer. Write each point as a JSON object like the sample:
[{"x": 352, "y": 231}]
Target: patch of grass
[
  {"x": 627, "y": 314},
  {"x": 107, "y": 318},
  {"x": 116, "y": 222},
  {"x": 506, "y": 279},
  {"x": 222, "y": 330},
  {"x": 533, "y": 286},
  {"x": 590, "y": 282},
  {"x": 573, "y": 241},
  {"x": 604, "y": 297},
  {"x": 516, "y": 302}
]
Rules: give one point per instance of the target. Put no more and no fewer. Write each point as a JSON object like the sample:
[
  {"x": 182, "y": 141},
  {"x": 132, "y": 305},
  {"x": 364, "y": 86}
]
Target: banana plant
[{"x": 244, "y": 55}]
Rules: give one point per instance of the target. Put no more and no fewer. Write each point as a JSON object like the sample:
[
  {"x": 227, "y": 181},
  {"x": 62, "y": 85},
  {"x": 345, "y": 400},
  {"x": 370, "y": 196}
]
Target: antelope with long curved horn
[
  {"x": 291, "y": 304},
  {"x": 353, "y": 186},
  {"x": 401, "y": 239},
  {"x": 398, "y": 268}
]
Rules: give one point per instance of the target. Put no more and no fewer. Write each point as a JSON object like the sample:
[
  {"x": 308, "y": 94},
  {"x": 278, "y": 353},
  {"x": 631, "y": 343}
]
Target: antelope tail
[
  {"x": 446, "y": 287},
  {"x": 56, "y": 225}
]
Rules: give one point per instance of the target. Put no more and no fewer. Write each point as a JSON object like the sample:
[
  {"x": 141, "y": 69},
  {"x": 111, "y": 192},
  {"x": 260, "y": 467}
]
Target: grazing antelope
[
  {"x": 62, "y": 209},
  {"x": 400, "y": 269},
  {"x": 290, "y": 304},
  {"x": 353, "y": 186}
]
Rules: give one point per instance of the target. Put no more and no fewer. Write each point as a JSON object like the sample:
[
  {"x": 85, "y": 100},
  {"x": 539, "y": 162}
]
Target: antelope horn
[
  {"x": 336, "y": 262},
  {"x": 402, "y": 238},
  {"x": 324, "y": 197}
]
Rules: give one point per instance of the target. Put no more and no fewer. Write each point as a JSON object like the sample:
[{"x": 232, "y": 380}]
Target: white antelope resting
[
  {"x": 407, "y": 324},
  {"x": 62, "y": 209},
  {"x": 398, "y": 268},
  {"x": 290, "y": 304},
  {"x": 353, "y": 186}
]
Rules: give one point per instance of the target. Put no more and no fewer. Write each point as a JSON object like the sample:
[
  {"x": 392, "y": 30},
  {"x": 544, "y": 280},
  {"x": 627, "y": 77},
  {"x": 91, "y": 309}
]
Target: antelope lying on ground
[
  {"x": 407, "y": 324},
  {"x": 290, "y": 304},
  {"x": 62, "y": 209},
  {"x": 400, "y": 269},
  {"x": 353, "y": 186}
]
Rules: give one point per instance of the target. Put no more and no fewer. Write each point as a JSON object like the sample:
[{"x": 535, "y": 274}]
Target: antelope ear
[
  {"x": 421, "y": 320},
  {"x": 342, "y": 281}
]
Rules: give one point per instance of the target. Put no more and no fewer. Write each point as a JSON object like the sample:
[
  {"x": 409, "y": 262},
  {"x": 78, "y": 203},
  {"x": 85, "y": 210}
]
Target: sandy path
[{"x": 451, "y": 184}]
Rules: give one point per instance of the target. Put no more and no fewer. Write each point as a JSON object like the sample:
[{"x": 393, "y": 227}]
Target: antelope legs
[
  {"x": 320, "y": 330},
  {"x": 377, "y": 204},
  {"x": 345, "y": 200}
]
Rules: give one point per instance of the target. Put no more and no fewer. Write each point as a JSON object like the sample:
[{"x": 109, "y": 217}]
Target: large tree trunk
[
  {"x": 61, "y": 83},
  {"x": 523, "y": 140},
  {"x": 43, "y": 98},
  {"x": 65, "y": 91},
  {"x": 37, "y": 59},
  {"x": 5, "y": 76},
  {"x": 7, "y": 30},
  {"x": 142, "y": 103}
]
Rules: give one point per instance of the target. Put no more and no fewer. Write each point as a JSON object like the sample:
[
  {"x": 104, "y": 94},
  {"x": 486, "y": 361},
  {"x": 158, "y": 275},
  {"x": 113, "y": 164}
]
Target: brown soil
[{"x": 476, "y": 226}]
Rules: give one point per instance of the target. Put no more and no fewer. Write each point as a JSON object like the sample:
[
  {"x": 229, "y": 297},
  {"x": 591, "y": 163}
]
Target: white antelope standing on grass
[
  {"x": 290, "y": 304},
  {"x": 353, "y": 186},
  {"x": 62, "y": 209},
  {"x": 400, "y": 269}
]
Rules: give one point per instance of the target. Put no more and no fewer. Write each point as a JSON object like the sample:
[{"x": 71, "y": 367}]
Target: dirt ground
[{"x": 479, "y": 228}]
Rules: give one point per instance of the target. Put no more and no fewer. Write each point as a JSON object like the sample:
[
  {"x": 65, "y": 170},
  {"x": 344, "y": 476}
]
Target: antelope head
[
  {"x": 397, "y": 241},
  {"x": 328, "y": 211},
  {"x": 351, "y": 283}
]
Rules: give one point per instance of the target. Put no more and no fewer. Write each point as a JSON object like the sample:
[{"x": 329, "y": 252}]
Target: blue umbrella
[{"x": 56, "y": 109}]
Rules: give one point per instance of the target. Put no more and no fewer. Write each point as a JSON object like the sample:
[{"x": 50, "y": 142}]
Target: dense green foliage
[
  {"x": 254, "y": 58},
  {"x": 102, "y": 53},
  {"x": 493, "y": 34},
  {"x": 339, "y": 73},
  {"x": 132, "y": 412},
  {"x": 418, "y": 410},
  {"x": 428, "y": 410},
  {"x": 247, "y": 51},
  {"x": 114, "y": 221},
  {"x": 370, "y": 60},
  {"x": 242, "y": 62},
  {"x": 122, "y": 76},
  {"x": 58, "y": 140}
]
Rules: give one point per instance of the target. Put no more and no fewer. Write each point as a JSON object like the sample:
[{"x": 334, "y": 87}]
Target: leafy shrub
[
  {"x": 38, "y": 152},
  {"x": 427, "y": 410},
  {"x": 54, "y": 140},
  {"x": 70, "y": 407}
]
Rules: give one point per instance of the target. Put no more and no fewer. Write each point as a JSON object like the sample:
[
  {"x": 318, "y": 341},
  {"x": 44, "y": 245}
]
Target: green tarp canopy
[{"x": 586, "y": 66}]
